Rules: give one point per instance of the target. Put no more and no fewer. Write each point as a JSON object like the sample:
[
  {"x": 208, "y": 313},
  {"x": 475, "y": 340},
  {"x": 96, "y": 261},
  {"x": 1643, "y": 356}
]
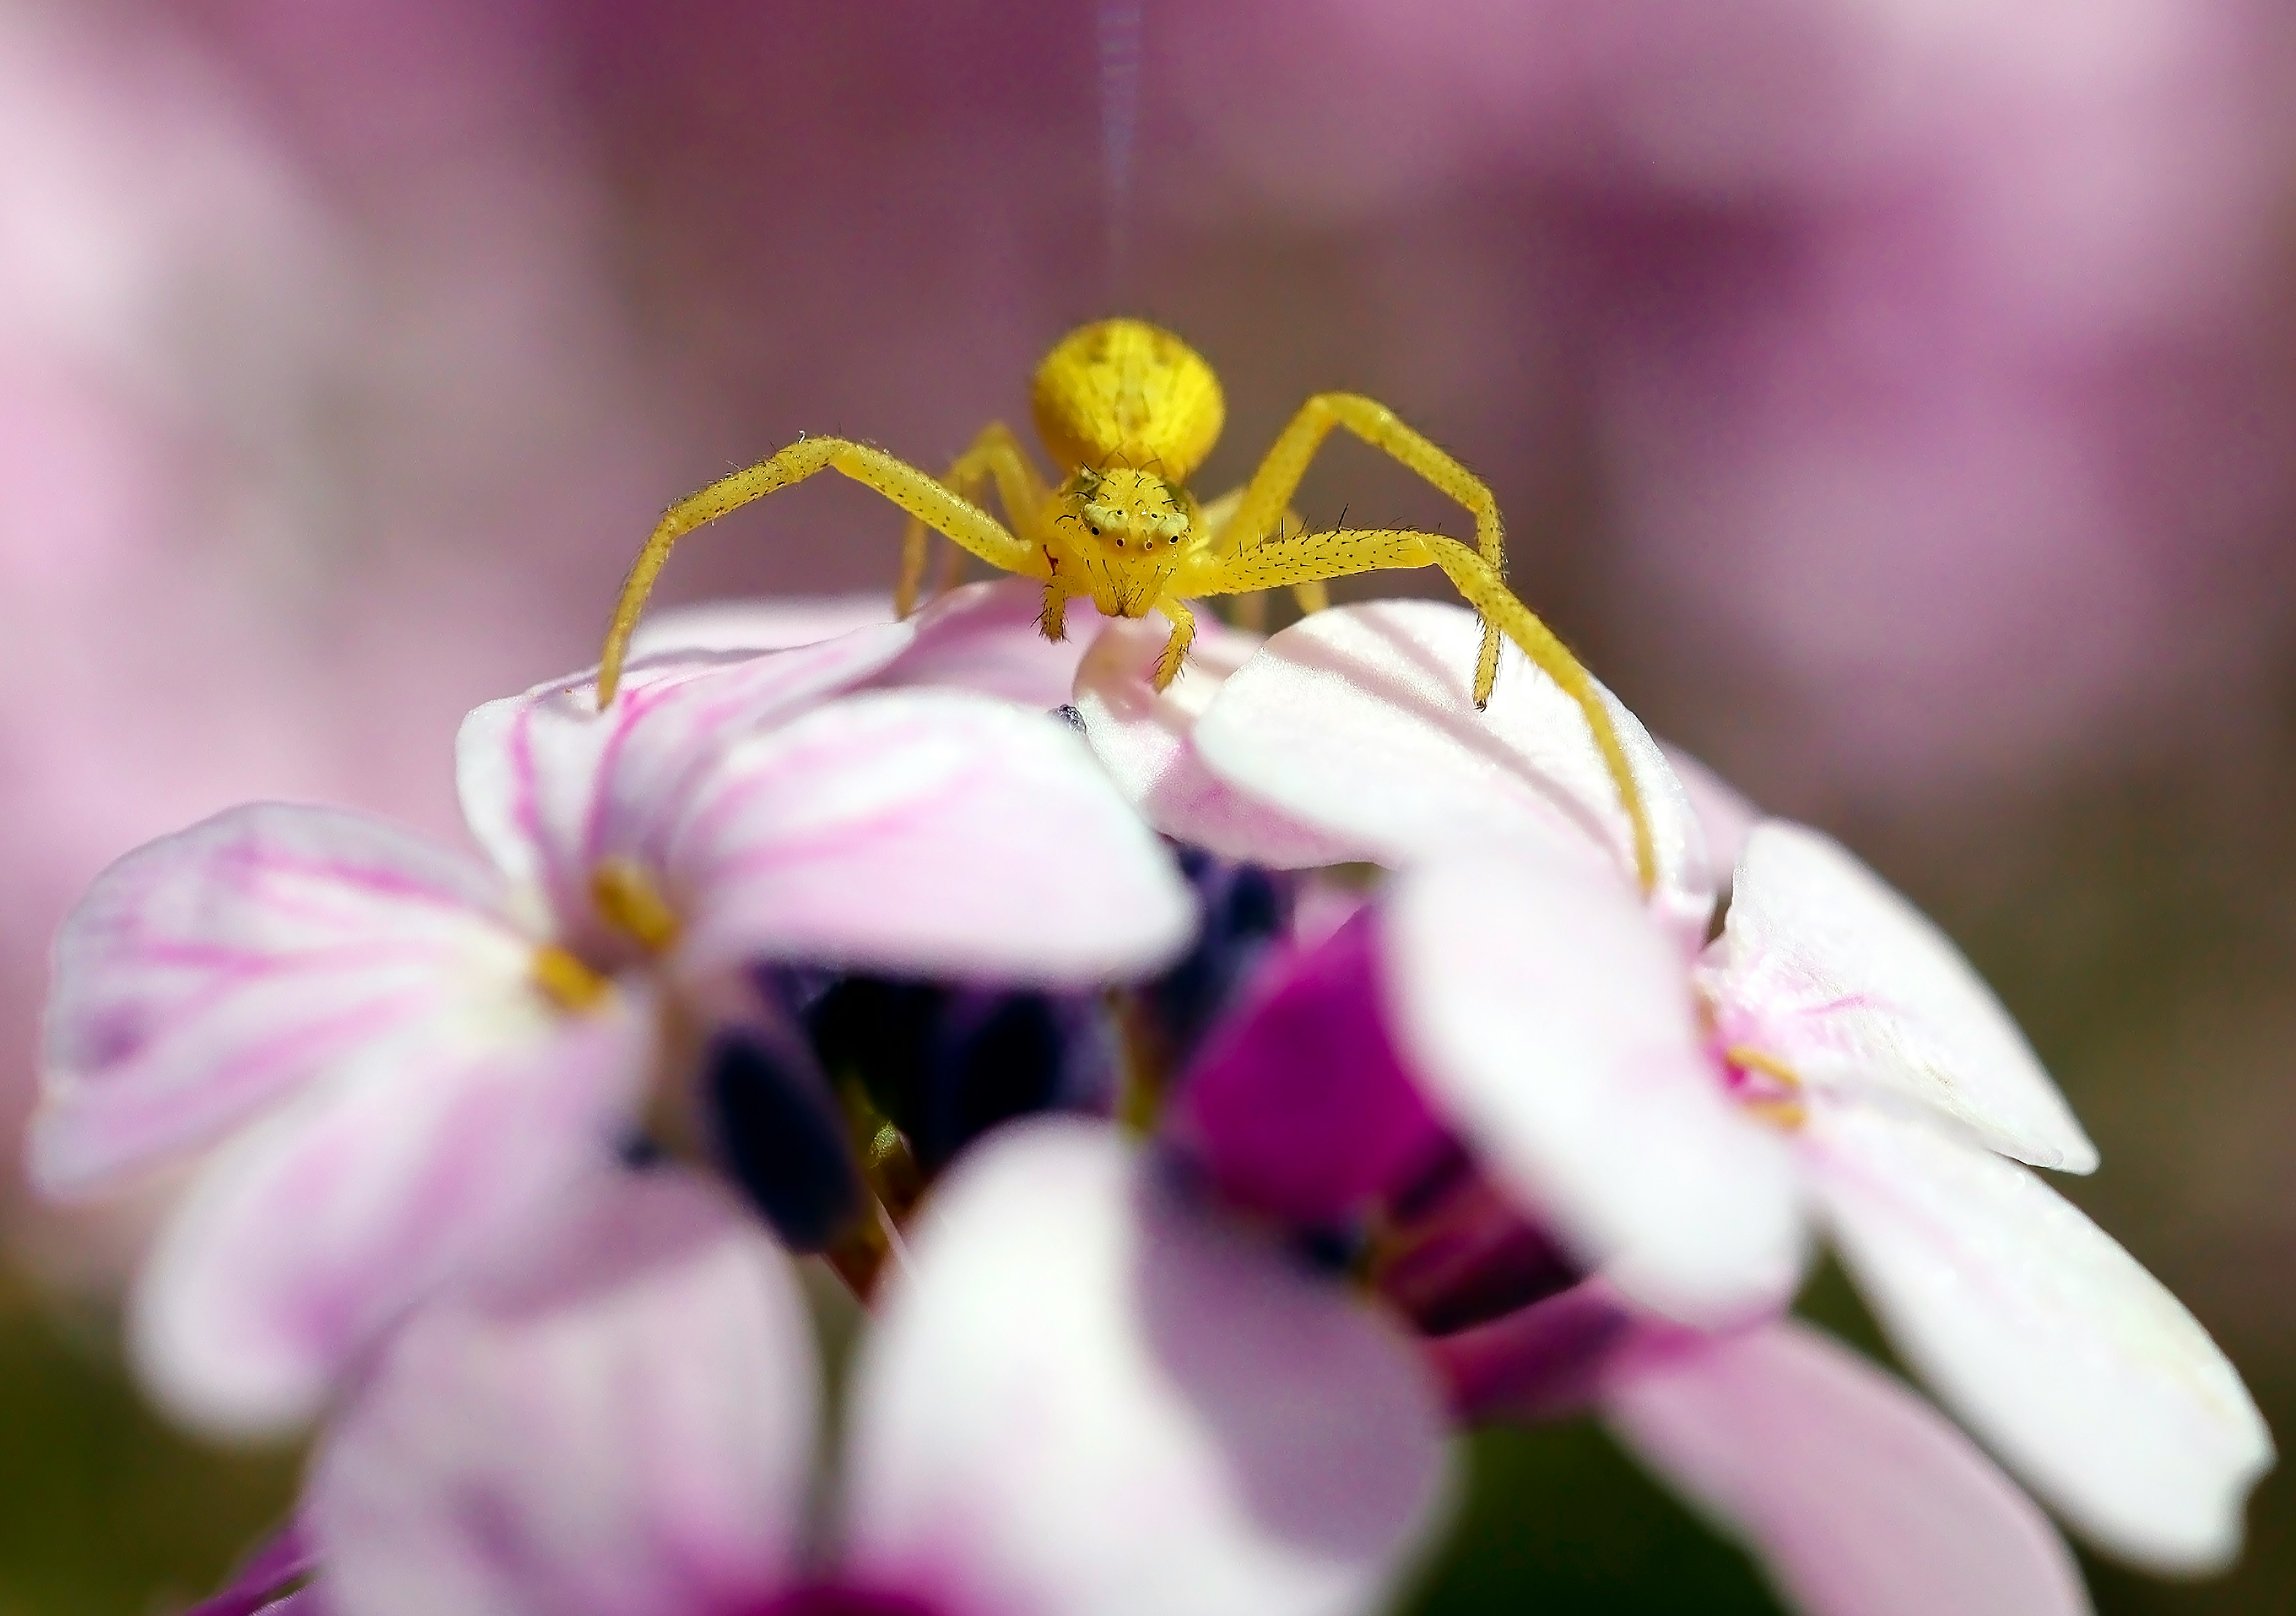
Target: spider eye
[{"x": 1095, "y": 532}]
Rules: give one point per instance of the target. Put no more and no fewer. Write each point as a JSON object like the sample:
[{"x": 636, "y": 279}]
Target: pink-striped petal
[
  {"x": 773, "y": 623},
  {"x": 982, "y": 637},
  {"x": 1825, "y": 967},
  {"x": 625, "y": 1427},
  {"x": 1089, "y": 1397},
  {"x": 209, "y": 974},
  {"x": 1359, "y": 720},
  {"x": 302, "y": 1240},
  {"x": 550, "y": 786},
  {"x": 1143, "y": 737},
  {"x": 985, "y": 637},
  {"x": 2078, "y": 1367},
  {"x": 1552, "y": 1023},
  {"x": 924, "y": 831},
  {"x": 1854, "y": 1494}
]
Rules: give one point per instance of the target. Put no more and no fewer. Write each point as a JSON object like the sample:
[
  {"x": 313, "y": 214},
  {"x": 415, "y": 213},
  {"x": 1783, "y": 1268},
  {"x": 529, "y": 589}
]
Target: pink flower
[
  {"x": 402, "y": 1050},
  {"x": 1079, "y": 1397},
  {"x": 1682, "y": 1117}
]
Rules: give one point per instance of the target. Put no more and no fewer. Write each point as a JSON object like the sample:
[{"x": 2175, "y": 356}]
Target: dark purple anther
[
  {"x": 946, "y": 1064},
  {"x": 776, "y": 1128}
]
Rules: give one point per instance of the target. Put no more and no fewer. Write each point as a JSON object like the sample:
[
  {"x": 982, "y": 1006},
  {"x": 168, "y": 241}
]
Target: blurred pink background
[{"x": 1896, "y": 400}]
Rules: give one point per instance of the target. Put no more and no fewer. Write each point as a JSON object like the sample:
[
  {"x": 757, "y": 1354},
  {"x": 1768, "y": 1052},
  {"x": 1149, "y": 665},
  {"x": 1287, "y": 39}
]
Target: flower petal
[
  {"x": 1143, "y": 737},
  {"x": 301, "y": 1241},
  {"x": 211, "y": 973},
  {"x": 1552, "y": 1023},
  {"x": 1855, "y": 1494},
  {"x": 1298, "y": 1105},
  {"x": 256, "y": 1583},
  {"x": 550, "y": 784},
  {"x": 930, "y": 831},
  {"x": 985, "y": 637},
  {"x": 2077, "y": 1366},
  {"x": 1088, "y": 1396},
  {"x": 1545, "y": 1361},
  {"x": 623, "y": 1428},
  {"x": 1359, "y": 720},
  {"x": 1725, "y": 814},
  {"x": 774, "y": 623},
  {"x": 1838, "y": 975}
]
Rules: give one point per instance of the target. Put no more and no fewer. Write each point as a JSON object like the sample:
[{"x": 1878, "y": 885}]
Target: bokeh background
[{"x": 1894, "y": 399}]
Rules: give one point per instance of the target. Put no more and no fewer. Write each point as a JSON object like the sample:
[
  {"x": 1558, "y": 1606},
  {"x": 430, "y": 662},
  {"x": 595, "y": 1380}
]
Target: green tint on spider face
[{"x": 1131, "y": 509}]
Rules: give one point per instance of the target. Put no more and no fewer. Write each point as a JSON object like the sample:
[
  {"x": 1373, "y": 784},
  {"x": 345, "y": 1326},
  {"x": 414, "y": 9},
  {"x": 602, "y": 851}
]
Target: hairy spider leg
[
  {"x": 1271, "y": 485},
  {"x": 997, "y": 455},
  {"x": 1052, "y": 621},
  {"x": 1184, "y": 635},
  {"x": 919, "y": 493},
  {"x": 1346, "y": 551},
  {"x": 1251, "y": 604}
]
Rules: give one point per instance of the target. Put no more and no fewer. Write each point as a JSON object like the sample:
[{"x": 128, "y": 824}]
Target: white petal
[
  {"x": 981, "y": 637},
  {"x": 623, "y": 1427},
  {"x": 1360, "y": 720},
  {"x": 774, "y": 623},
  {"x": 924, "y": 831},
  {"x": 549, "y": 783},
  {"x": 1088, "y": 1398},
  {"x": 985, "y": 637},
  {"x": 212, "y": 972},
  {"x": 1852, "y": 986},
  {"x": 1857, "y": 1497},
  {"x": 1144, "y": 738},
  {"x": 1552, "y": 1021},
  {"x": 1725, "y": 814},
  {"x": 303, "y": 1240},
  {"x": 2077, "y": 1366}
]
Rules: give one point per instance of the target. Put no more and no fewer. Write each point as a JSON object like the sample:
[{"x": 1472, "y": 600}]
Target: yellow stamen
[
  {"x": 1785, "y": 1110},
  {"x": 627, "y": 896},
  {"x": 566, "y": 978},
  {"x": 1788, "y": 1114},
  {"x": 1754, "y": 1060}
]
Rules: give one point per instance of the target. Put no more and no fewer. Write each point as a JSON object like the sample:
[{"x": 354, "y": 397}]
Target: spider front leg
[
  {"x": 1176, "y": 648},
  {"x": 918, "y": 493},
  {"x": 1251, "y": 605},
  {"x": 996, "y": 456},
  {"x": 1052, "y": 621},
  {"x": 1308, "y": 557},
  {"x": 1273, "y": 485}
]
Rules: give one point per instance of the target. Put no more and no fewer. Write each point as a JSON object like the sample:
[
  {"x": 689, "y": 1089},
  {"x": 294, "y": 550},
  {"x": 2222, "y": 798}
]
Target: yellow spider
[{"x": 1132, "y": 410}]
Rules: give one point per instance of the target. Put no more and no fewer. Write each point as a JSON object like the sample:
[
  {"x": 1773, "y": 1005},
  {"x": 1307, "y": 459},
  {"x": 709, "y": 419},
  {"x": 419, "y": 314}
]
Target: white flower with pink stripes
[
  {"x": 1684, "y": 1112},
  {"x": 388, "y": 1056}
]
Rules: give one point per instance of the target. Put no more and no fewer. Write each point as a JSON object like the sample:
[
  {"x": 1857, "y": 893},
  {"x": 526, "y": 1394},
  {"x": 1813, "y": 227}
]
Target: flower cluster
[{"x": 1218, "y": 1098}]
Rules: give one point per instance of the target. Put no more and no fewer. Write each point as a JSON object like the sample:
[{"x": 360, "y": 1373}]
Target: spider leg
[
  {"x": 1052, "y": 621},
  {"x": 996, "y": 456},
  {"x": 1176, "y": 648},
  {"x": 1251, "y": 604},
  {"x": 1305, "y": 557},
  {"x": 922, "y": 496},
  {"x": 1271, "y": 485}
]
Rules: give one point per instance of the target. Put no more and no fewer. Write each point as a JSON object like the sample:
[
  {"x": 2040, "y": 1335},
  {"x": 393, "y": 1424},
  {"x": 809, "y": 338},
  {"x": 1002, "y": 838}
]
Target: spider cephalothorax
[{"x": 1131, "y": 410}]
